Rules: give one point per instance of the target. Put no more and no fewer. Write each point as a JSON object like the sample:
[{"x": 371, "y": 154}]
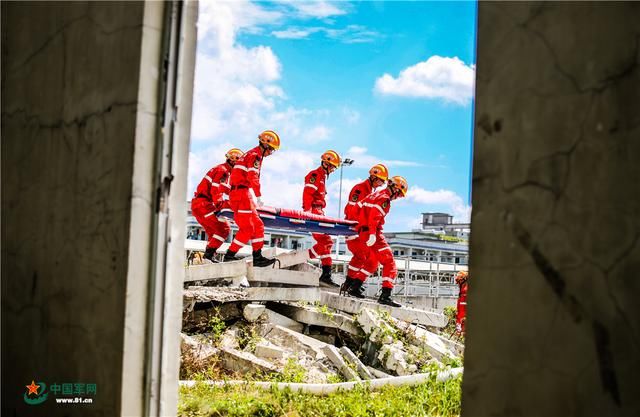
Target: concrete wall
[
  {"x": 80, "y": 102},
  {"x": 555, "y": 251}
]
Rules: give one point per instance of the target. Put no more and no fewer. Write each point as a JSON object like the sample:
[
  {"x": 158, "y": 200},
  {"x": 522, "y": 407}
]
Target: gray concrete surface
[{"x": 555, "y": 248}]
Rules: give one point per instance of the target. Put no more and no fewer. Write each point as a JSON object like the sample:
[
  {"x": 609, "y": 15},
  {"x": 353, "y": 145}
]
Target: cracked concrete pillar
[
  {"x": 555, "y": 251},
  {"x": 90, "y": 279}
]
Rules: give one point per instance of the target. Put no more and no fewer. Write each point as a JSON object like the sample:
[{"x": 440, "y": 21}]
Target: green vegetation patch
[{"x": 431, "y": 398}]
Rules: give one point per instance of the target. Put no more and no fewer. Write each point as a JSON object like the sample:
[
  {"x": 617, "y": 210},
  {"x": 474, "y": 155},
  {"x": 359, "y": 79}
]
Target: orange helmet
[
  {"x": 379, "y": 171},
  {"x": 233, "y": 154},
  {"x": 332, "y": 158},
  {"x": 399, "y": 183},
  {"x": 270, "y": 138},
  {"x": 462, "y": 277}
]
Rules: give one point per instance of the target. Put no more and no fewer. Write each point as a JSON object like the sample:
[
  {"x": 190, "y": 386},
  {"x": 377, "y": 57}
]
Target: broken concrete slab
[
  {"x": 282, "y": 336},
  {"x": 296, "y": 257},
  {"x": 283, "y": 276},
  {"x": 394, "y": 358},
  {"x": 423, "y": 338},
  {"x": 306, "y": 267},
  {"x": 411, "y": 315},
  {"x": 200, "y": 319},
  {"x": 195, "y": 294},
  {"x": 279, "y": 319},
  {"x": 252, "y": 312},
  {"x": 378, "y": 373},
  {"x": 377, "y": 329},
  {"x": 353, "y": 359},
  {"x": 215, "y": 271},
  {"x": 244, "y": 362},
  {"x": 264, "y": 350},
  {"x": 334, "y": 356},
  {"x": 196, "y": 353},
  {"x": 318, "y": 316},
  {"x": 282, "y": 294}
]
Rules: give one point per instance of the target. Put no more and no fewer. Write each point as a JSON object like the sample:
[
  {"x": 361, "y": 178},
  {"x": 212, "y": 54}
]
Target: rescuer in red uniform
[
  {"x": 208, "y": 199},
  {"x": 313, "y": 200},
  {"x": 378, "y": 175},
  {"x": 370, "y": 222},
  {"x": 245, "y": 185},
  {"x": 462, "y": 279}
]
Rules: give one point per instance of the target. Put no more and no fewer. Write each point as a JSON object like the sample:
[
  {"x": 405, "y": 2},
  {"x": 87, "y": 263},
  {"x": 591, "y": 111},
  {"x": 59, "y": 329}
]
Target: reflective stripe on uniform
[
  {"x": 376, "y": 206},
  {"x": 314, "y": 252},
  {"x": 240, "y": 167},
  {"x": 326, "y": 225},
  {"x": 209, "y": 214},
  {"x": 253, "y": 169},
  {"x": 385, "y": 248},
  {"x": 311, "y": 186},
  {"x": 209, "y": 178},
  {"x": 220, "y": 238},
  {"x": 351, "y": 237},
  {"x": 387, "y": 279},
  {"x": 245, "y": 211},
  {"x": 364, "y": 271},
  {"x": 267, "y": 216},
  {"x": 324, "y": 256},
  {"x": 237, "y": 242},
  {"x": 351, "y": 203},
  {"x": 353, "y": 268}
]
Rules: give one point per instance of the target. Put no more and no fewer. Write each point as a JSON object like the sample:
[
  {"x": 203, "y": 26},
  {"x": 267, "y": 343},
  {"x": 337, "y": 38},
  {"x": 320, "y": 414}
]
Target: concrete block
[
  {"x": 279, "y": 319},
  {"x": 269, "y": 351},
  {"x": 219, "y": 271},
  {"x": 353, "y": 359},
  {"x": 244, "y": 362},
  {"x": 336, "y": 358},
  {"x": 411, "y": 315},
  {"x": 252, "y": 312},
  {"x": 293, "y": 258},
  {"x": 378, "y": 330},
  {"x": 283, "y": 276}
]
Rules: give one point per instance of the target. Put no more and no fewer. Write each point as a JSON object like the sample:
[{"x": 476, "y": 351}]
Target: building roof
[{"x": 427, "y": 244}]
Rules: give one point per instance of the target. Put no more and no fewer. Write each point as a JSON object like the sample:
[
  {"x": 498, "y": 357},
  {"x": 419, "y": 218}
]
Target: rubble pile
[{"x": 277, "y": 324}]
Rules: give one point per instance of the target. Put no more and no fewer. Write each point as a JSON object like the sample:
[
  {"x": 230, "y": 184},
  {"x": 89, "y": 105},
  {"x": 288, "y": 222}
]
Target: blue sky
[{"x": 384, "y": 82}]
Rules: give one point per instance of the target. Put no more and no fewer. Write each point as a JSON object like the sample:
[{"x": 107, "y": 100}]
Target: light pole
[{"x": 346, "y": 162}]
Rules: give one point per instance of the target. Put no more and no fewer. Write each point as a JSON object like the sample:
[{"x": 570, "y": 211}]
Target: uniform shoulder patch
[
  {"x": 385, "y": 204},
  {"x": 313, "y": 178},
  {"x": 256, "y": 164}
]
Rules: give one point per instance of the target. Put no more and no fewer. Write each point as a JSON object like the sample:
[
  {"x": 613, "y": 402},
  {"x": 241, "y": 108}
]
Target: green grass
[{"x": 431, "y": 398}]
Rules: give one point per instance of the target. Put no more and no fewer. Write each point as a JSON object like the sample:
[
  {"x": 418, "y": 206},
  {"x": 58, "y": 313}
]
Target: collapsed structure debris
[{"x": 283, "y": 326}]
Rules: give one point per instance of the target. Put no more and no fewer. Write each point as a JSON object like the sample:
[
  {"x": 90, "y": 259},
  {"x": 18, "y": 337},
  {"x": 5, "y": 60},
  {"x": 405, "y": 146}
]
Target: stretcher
[{"x": 301, "y": 221}]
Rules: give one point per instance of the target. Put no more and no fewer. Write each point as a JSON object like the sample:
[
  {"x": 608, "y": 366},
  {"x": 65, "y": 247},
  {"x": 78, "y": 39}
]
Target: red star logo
[{"x": 33, "y": 388}]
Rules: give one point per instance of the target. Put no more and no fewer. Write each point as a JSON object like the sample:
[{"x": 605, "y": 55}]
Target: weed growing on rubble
[
  {"x": 431, "y": 398},
  {"x": 324, "y": 310},
  {"x": 248, "y": 338},
  {"x": 292, "y": 372},
  {"x": 215, "y": 327}
]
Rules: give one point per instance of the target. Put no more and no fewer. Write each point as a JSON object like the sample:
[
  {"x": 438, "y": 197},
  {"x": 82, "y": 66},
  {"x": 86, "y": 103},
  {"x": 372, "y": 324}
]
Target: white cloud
[
  {"x": 319, "y": 9},
  {"x": 348, "y": 34},
  {"x": 364, "y": 160},
  {"x": 438, "y": 77},
  {"x": 443, "y": 198}
]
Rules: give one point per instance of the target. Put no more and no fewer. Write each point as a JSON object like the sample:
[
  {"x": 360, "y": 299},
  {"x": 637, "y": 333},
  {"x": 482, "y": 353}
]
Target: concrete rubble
[{"x": 284, "y": 324}]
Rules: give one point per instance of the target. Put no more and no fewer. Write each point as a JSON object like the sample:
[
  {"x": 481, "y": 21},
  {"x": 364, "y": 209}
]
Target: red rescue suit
[
  {"x": 245, "y": 175},
  {"x": 462, "y": 307},
  {"x": 371, "y": 216},
  {"x": 358, "y": 193},
  {"x": 208, "y": 199},
  {"x": 313, "y": 200}
]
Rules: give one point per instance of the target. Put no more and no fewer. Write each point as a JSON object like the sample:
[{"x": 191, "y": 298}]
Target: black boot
[
  {"x": 356, "y": 289},
  {"x": 230, "y": 256},
  {"x": 385, "y": 298},
  {"x": 346, "y": 285},
  {"x": 260, "y": 261},
  {"x": 209, "y": 254},
  {"x": 325, "y": 278}
]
